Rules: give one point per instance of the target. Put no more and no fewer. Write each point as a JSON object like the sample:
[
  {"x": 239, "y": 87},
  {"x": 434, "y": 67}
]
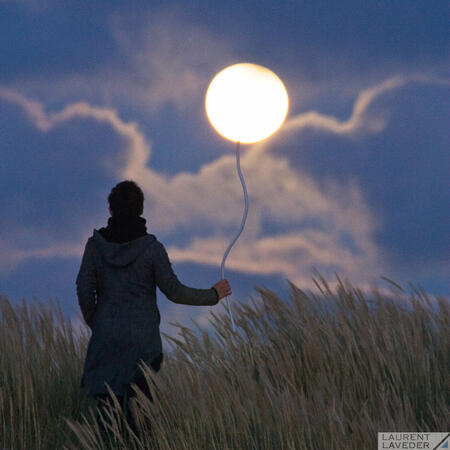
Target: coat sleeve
[
  {"x": 172, "y": 288},
  {"x": 87, "y": 284}
]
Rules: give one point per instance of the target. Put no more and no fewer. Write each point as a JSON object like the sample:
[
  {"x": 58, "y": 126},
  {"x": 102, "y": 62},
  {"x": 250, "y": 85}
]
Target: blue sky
[{"x": 355, "y": 182}]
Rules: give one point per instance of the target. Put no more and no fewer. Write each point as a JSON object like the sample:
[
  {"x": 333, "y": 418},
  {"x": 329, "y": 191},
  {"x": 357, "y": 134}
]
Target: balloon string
[{"x": 244, "y": 217}]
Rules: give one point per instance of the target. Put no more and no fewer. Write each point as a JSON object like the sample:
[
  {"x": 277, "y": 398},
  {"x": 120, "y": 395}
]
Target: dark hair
[{"x": 126, "y": 199}]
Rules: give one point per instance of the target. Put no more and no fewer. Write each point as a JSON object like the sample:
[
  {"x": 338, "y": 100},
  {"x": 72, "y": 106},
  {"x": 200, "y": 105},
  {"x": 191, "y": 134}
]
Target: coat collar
[{"x": 124, "y": 228}]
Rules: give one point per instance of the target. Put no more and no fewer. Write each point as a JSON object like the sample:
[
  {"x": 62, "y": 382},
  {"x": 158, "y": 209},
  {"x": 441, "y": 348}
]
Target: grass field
[{"x": 322, "y": 370}]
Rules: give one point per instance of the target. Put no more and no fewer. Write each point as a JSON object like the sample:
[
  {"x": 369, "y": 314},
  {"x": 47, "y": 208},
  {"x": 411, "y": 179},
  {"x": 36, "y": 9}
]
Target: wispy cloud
[
  {"x": 359, "y": 120},
  {"x": 161, "y": 60},
  {"x": 362, "y": 120},
  {"x": 170, "y": 60}
]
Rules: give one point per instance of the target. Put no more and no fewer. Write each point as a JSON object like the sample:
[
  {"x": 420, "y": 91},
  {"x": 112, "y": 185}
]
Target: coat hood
[{"x": 121, "y": 254}]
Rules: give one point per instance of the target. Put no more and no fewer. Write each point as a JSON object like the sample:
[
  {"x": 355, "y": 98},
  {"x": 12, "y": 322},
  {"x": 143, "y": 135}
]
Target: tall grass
[
  {"x": 319, "y": 370},
  {"x": 40, "y": 361}
]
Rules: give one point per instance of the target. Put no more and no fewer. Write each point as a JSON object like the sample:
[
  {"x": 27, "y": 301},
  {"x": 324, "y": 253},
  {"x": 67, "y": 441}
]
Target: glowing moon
[{"x": 246, "y": 102}]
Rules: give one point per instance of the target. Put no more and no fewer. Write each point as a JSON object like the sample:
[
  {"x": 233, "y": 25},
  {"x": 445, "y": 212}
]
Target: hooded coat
[{"x": 116, "y": 289}]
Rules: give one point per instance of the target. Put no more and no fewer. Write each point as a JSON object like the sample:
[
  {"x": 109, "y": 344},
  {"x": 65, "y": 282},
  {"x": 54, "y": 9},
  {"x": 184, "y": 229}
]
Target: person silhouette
[{"x": 120, "y": 269}]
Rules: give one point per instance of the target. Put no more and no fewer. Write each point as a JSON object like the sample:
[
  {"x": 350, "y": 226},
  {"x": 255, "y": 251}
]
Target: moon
[{"x": 246, "y": 102}]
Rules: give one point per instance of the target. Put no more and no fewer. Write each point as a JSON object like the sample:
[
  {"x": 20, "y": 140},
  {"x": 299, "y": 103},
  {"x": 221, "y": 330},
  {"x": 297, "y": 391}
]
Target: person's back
[{"x": 116, "y": 286}]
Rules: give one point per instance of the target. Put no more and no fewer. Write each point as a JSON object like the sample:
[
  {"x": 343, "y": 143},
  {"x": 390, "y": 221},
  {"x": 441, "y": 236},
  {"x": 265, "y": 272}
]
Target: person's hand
[{"x": 223, "y": 288}]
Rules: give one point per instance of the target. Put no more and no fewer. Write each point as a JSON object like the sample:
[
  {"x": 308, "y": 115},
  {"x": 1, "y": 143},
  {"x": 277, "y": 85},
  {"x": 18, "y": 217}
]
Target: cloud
[
  {"x": 293, "y": 223},
  {"x": 289, "y": 255},
  {"x": 362, "y": 119},
  {"x": 209, "y": 203},
  {"x": 11, "y": 256},
  {"x": 359, "y": 119},
  {"x": 170, "y": 60},
  {"x": 159, "y": 60},
  {"x": 328, "y": 227},
  {"x": 138, "y": 149}
]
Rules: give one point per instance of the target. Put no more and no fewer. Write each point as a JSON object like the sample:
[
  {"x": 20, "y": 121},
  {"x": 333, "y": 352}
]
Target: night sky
[{"x": 355, "y": 182}]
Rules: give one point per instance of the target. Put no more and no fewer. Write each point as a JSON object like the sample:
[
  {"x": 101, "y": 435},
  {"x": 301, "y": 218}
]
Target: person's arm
[
  {"x": 87, "y": 284},
  {"x": 172, "y": 288}
]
